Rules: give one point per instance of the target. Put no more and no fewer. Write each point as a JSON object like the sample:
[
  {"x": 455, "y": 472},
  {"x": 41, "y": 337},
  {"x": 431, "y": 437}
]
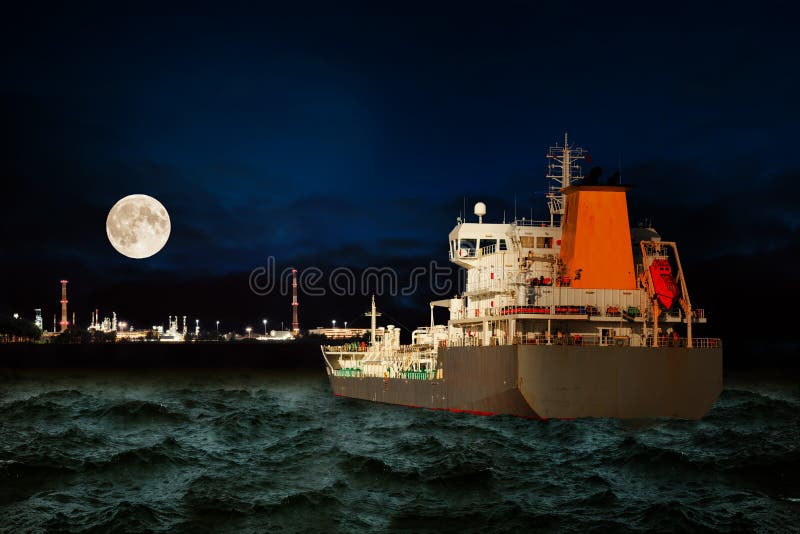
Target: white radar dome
[{"x": 480, "y": 209}]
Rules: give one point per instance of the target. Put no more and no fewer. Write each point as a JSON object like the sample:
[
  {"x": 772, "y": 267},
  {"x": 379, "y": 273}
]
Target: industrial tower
[
  {"x": 64, "y": 321},
  {"x": 295, "y": 304}
]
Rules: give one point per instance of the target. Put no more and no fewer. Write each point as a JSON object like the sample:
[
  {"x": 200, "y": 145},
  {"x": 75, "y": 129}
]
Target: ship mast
[
  {"x": 372, "y": 322},
  {"x": 373, "y": 314},
  {"x": 563, "y": 168}
]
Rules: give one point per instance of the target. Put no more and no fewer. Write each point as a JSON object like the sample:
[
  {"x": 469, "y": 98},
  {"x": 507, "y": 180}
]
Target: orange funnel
[{"x": 596, "y": 238}]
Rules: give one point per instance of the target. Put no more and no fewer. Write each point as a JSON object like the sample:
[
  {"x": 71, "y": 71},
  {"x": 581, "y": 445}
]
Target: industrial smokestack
[
  {"x": 295, "y": 304},
  {"x": 64, "y": 321}
]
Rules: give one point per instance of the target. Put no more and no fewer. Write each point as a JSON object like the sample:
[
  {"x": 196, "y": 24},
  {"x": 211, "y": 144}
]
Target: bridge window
[
  {"x": 467, "y": 247},
  {"x": 503, "y": 244},
  {"x": 544, "y": 242}
]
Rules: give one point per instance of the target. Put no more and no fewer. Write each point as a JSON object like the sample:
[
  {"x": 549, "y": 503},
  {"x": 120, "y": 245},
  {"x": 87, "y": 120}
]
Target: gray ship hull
[{"x": 563, "y": 382}]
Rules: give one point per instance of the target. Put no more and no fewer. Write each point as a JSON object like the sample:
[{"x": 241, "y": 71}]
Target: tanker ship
[{"x": 576, "y": 316}]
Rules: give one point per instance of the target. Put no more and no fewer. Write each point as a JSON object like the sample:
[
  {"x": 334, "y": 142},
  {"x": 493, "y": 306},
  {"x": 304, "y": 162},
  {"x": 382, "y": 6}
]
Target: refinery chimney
[
  {"x": 64, "y": 321},
  {"x": 295, "y": 304}
]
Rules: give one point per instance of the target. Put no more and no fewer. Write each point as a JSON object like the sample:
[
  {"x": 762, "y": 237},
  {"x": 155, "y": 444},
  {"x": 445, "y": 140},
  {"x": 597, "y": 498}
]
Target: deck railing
[
  {"x": 707, "y": 342},
  {"x": 590, "y": 341},
  {"x": 348, "y": 347},
  {"x": 629, "y": 313},
  {"x": 531, "y": 222},
  {"x": 402, "y": 349}
]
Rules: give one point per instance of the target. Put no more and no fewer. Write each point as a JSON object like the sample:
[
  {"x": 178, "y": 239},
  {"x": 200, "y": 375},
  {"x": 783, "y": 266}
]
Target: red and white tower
[
  {"x": 64, "y": 323},
  {"x": 295, "y": 304}
]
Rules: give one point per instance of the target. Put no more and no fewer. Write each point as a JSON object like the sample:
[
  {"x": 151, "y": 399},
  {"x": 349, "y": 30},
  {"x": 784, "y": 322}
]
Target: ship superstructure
[{"x": 587, "y": 316}]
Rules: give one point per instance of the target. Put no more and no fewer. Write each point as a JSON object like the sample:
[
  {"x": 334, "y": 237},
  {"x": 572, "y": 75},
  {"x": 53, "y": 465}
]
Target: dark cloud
[{"x": 737, "y": 209}]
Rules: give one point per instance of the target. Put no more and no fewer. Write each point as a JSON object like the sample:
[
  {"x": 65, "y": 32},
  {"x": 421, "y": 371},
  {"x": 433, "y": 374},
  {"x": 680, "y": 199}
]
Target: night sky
[{"x": 352, "y": 134}]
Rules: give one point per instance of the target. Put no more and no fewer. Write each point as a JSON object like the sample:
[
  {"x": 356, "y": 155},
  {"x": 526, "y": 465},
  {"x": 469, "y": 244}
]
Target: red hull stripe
[{"x": 455, "y": 410}]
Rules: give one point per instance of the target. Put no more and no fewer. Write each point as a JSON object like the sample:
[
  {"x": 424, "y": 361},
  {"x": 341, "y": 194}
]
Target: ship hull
[{"x": 554, "y": 381}]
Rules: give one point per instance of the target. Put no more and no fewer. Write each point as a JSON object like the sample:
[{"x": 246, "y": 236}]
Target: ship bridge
[{"x": 470, "y": 241}]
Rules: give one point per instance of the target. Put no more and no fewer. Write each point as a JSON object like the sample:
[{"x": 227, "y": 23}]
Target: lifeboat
[{"x": 664, "y": 285}]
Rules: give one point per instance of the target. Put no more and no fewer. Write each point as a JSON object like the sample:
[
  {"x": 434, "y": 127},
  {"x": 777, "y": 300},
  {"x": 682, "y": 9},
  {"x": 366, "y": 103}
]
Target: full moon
[{"x": 138, "y": 226}]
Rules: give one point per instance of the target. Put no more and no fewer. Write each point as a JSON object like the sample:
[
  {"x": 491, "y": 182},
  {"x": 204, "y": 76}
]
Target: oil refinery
[{"x": 109, "y": 327}]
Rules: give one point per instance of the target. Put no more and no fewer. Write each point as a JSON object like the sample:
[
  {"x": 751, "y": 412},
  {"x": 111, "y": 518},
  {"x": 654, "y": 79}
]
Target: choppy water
[{"x": 260, "y": 450}]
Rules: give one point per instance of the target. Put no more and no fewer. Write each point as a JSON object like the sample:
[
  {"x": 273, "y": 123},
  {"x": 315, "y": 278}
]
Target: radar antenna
[{"x": 563, "y": 168}]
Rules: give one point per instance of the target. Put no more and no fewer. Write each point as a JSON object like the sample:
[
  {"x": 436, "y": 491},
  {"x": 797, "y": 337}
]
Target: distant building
[
  {"x": 277, "y": 335},
  {"x": 38, "y": 320},
  {"x": 132, "y": 335},
  {"x": 338, "y": 333},
  {"x": 173, "y": 333}
]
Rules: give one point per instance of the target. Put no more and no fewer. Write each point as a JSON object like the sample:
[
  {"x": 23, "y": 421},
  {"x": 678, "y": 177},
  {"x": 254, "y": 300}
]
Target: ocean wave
[
  {"x": 672, "y": 516},
  {"x": 19, "y": 479},
  {"x": 454, "y": 469},
  {"x": 596, "y": 500},
  {"x": 215, "y": 495},
  {"x": 311, "y": 501},
  {"x": 165, "y": 451},
  {"x": 218, "y": 456},
  {"x": 478, "y": 517},
  {"x": 757, "y": 407},
  {"x": 60, "y": 394},
  {"x": 221, "y": 504},
  {"x": 252, "y": 423},
  {"x": 121, "y": 517},
  {"x": 32, "y": 457},
  {"x": 23, "y": 471},
  {"x": 38, "y": 443},
  {"x": 32, "y": 409},
  {"x": 138, "y": 411},
  {"x": 239, "y": 422},
  {"x": 633, "y": 453}
]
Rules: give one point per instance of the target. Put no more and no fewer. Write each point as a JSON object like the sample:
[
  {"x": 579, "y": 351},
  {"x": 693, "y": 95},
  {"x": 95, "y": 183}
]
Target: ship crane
[{"x": 653, "y": 250}]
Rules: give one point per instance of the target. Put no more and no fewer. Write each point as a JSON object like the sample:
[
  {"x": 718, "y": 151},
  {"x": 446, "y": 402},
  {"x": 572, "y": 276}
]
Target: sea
[{"x": 230, "y": 450}]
